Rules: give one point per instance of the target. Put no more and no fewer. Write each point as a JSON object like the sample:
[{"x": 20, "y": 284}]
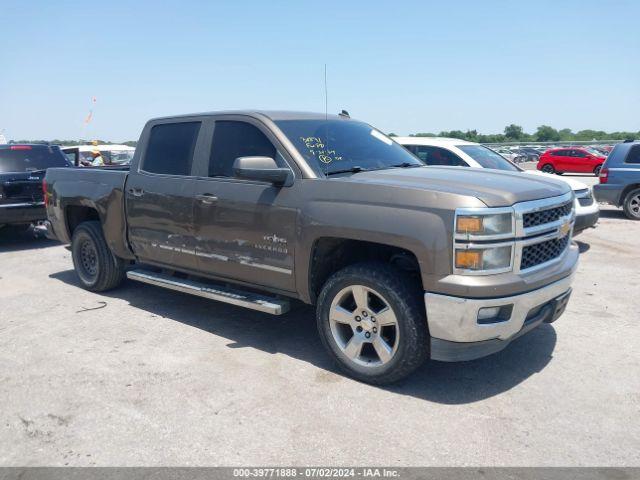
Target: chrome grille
[
  {"x": 549, "y": 215},
  {"x": 543, "y": 252}
]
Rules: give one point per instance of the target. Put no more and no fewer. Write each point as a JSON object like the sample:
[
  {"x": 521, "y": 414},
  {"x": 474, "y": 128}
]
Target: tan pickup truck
[{"x": 403, "y": 262}]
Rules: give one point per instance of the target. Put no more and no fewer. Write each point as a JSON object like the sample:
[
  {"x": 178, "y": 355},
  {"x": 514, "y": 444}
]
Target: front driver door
[{"x": 245, "y": 229}]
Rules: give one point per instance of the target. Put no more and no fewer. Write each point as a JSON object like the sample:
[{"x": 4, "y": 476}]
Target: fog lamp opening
[{"x": 488, "y": 315}]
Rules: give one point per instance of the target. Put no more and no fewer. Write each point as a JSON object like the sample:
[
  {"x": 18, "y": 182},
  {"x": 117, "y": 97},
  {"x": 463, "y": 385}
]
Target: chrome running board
[{"x": 219, "y": 293}]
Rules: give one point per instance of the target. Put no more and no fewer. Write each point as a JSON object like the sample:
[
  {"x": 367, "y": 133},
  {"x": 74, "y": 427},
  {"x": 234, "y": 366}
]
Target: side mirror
[{"x": 263, "y": 169}]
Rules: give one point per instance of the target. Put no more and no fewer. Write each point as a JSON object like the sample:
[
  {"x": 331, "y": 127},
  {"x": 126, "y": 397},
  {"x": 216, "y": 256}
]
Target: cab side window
[
  {"x": 233, "y": 139},
  {"x": 170, "y": 148},
  {"x": 438, "y": 156}
]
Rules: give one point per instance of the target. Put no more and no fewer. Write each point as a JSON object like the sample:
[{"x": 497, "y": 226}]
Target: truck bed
[{"x": 98, "y": 188}]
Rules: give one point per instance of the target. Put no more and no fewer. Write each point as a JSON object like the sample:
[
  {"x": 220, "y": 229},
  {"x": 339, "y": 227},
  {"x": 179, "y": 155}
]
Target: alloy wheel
[
  {"x": 364, "y": 326},
  {"x": 634, "y": 205}
]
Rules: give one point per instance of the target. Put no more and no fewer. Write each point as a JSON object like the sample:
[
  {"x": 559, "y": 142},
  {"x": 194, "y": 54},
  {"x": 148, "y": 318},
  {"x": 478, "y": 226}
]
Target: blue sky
[{"x": 406, "y": 67}]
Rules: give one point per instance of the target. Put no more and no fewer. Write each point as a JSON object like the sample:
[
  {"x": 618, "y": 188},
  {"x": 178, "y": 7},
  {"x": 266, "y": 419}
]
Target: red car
[{"x": 571, "y": 159}]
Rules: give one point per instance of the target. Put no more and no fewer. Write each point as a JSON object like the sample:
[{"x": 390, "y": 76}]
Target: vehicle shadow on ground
[
  {"x": 14, "y": 240},
  {"x": 613, "y": 213},
  {"x": 582, "y": 246},
  {"x": 295, "y": 335}
]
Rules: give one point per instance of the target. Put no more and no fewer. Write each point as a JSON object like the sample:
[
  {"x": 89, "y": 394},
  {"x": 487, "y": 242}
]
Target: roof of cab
[
  {"x": 275, "y": 115},
  {"x": 30, "y": 145}
]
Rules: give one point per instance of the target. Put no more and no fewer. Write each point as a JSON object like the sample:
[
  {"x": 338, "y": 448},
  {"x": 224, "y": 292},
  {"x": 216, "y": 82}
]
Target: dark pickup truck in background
[
  {"x": 22, "y": 169},
  {"x": 403, "y": 262}
]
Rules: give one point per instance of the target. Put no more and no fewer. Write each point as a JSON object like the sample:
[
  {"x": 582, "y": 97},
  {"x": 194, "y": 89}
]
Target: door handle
[
  {"x": 207, "y": 198},
  {"x": 136, "y": 192}
]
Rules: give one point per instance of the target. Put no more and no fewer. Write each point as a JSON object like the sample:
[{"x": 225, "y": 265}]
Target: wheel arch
[
  {"x": 331, "y": 254},
  {"x": 626, "y": 191}
]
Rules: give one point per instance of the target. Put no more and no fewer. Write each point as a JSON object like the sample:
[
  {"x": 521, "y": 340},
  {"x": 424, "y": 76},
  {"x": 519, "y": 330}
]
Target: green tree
[
  {"x": 453, "y": 134},
  {"x": 545, "y": 133},
  {"x": 566, "y": 134},
  {"x": 513, "y": 132}
]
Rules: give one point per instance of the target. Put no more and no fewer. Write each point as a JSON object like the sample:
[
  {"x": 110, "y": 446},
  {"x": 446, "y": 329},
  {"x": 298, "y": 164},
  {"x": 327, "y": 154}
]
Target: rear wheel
[
  {"x": 371, "y": 320},
  {"x": 548, "y": 168},
  {"x": 596, "y": 171},
  {"x": 631, "y": 205},
  {"x": 97, "y": 268}
]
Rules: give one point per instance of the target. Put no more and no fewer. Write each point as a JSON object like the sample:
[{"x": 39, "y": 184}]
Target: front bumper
[
  {"x": 19, "y": 213},
  {"x": 585, "y": 221},
  {"x": 457, "y": 335}
]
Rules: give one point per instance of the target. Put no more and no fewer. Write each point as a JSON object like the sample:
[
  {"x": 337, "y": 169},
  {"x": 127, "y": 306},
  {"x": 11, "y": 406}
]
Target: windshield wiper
[
  {"x": 354, "y": 169},
  {"x": 406, "y": 165}
]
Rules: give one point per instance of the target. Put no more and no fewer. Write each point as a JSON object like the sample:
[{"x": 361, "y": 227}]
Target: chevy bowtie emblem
[{"x": 565, "y": 228}]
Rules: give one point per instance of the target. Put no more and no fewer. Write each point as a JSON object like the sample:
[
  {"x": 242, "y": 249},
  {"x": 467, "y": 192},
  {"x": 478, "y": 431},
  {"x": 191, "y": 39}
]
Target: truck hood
[
  {"x": 493, "y": 188},
  {"x": 574, "y": 184}
]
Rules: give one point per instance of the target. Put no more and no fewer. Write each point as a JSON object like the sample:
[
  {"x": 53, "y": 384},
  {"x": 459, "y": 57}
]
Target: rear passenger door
[
  {"x": 578, "y": 162},
  {"x": 245, "y": 229},
  {"x": 159, "y": 195}
]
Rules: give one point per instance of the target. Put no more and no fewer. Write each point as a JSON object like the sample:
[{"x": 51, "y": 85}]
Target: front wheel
[
  {"x": 372, "y": 321},
  {"x": 548, "y": 168},
  {"x": 596, "y": 171},
  {"x": 631, "y": 205},
  {"x": 97, "y": 268}
]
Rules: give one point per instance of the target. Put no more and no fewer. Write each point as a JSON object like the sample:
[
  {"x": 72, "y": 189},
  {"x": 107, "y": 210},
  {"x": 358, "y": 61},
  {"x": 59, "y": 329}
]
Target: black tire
[
  {"x": 97, "y": 268},
  {"x": 405, "y": 299},
  {"x": 596, "y": 171},
  {"x": 631, "y": 204},
  {"x": 548, "y": 168},
  {"x": 559, "y": 173}
]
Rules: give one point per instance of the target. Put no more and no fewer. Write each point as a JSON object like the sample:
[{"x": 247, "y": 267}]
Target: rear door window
[{"x": 170, "y": 148}]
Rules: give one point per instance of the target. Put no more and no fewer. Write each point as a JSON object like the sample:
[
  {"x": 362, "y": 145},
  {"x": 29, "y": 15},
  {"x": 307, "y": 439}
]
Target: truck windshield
[
  {"x": 487, "y": 158},
  {"x": 344, "y": 145},
  {"x": 27, "y": 158}
]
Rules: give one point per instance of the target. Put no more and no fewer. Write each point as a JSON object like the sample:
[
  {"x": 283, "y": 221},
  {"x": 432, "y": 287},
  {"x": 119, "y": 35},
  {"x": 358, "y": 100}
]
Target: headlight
[
  {"x": 483, "y": 259},
  {"x": 484, "y": 225}
]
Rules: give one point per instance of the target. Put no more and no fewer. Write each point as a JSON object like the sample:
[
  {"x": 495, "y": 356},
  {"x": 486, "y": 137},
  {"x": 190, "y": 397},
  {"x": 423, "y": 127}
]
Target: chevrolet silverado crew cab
[{"x": 404, "y": 262}]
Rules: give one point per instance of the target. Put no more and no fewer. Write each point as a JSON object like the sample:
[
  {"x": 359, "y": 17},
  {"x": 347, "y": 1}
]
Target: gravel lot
[{"x": 144, "y": 376}]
